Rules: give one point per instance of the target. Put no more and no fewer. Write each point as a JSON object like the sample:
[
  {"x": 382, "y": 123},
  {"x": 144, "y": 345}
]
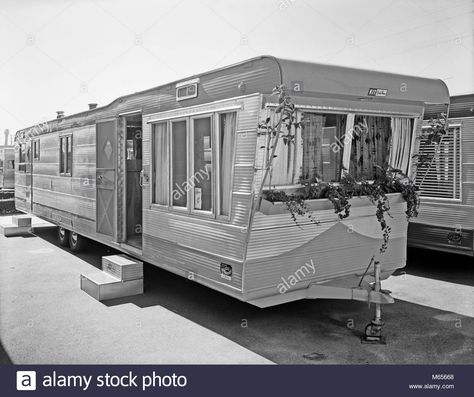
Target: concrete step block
[
  {"x": 123, "y": 267},
  {"x": 22, "y": 220},
  {"x": 103, "y": 286},
  {"x": 12, "y": 230}
]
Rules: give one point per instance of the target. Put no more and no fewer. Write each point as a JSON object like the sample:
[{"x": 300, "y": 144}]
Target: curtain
[
  {"x": 370, "y": 145},
  {"x": 161, "y": 164},
  {"x": 347, "y": 142},
  {"x": 401, "y": 143},
  {"x": 323, "y": 146},
  {"x": 227, "y": 133}
]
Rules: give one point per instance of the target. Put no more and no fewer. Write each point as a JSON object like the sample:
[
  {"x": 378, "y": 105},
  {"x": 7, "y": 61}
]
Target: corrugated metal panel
[
  {"x": 269, "y": 231},
  {"x": 195, "y": 233},
  {"x": 429, "y": 236},
  {"x": 334, "y": 253},
  {"x": 256, "y": 75},
  {"x": 199, "y": 264},
  {"x": 447, "y": 214},
  {"x": 460, "y": 106},
  {"x": 77, "y": 205}
]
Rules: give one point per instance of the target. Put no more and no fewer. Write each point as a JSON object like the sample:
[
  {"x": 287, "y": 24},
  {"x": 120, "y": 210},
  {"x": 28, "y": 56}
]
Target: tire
[
  {"x": 76, "y": 242},
  {"x": 63, "y": 236}
]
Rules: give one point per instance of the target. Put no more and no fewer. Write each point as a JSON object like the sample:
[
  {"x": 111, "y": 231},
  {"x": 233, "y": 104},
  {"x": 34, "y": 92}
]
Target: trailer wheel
[
  {"x": 76, "y": 242},
  {"x": 63, "y": 236}
]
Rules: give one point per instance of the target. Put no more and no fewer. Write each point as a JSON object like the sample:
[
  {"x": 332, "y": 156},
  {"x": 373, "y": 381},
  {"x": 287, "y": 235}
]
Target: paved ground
[{"x": 46, "y": 318}]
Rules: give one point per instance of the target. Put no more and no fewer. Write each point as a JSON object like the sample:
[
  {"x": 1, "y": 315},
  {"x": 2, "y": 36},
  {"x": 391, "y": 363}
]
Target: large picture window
[
  {"x": 329, "y": 145},
  {"x": 65, "y": 155},
  {"x": 192, "y": 163}
]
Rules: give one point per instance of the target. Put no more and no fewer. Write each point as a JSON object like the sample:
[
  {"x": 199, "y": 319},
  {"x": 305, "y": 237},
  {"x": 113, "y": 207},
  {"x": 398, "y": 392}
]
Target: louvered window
[{"x": 439, "y": 170}]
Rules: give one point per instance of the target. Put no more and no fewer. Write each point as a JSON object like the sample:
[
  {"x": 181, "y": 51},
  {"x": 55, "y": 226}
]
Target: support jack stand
[{"x": 373, "y": 331}]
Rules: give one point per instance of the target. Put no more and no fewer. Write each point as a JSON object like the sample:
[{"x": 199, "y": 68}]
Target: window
[
  {"x": 23, "y": 156},
  {"x": 226, "y": 150},
  {"x": 201, "y": 178},
  {"x": 192, "y": 163},
  {"x": 65, "y": 155},
  {"x": 370, "y": 145},
  {"x": 179, "y": 163},
  {"x": 322, "y": 135},
  {"x": 328, "y": 144},
  {"x": 36, "y": 149},
  {"x": 439, "y": 172},
  {"x": 160, "y": 164}
]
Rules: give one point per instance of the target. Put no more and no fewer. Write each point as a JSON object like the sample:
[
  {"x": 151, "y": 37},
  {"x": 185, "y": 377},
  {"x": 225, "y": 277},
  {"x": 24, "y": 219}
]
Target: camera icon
[{"x": 26, "y": 380}]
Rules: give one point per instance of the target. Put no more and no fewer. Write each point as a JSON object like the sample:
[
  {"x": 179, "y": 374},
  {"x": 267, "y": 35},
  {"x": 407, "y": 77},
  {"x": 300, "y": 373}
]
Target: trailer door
[{"x": 105, "y": 178}]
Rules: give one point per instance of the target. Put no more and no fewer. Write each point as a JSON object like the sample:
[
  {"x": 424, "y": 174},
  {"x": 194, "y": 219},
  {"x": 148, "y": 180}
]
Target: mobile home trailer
[
  {"x": 446, "y": 219},
  {"x": 7, "y": 167},
  {"x": 172, "y": 176}
]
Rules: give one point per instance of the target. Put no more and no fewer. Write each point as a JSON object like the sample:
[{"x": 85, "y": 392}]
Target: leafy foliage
[{"x": 388, "y": 180}]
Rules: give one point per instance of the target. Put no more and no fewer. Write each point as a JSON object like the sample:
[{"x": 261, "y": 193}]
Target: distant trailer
[
  {"x": 446, "y": 220},
  {"x": 7, "y": 167},
  {"x": 171, "y": 176}
]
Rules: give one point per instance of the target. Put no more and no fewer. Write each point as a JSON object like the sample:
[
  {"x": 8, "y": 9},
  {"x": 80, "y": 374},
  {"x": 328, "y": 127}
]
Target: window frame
[
  {"x": 61, "y": 137},
  {"x": 36, "y": 149},
  {"x": 22, "y": 152},
  {"x": 170, "y": 167},
  {"x": 214, "y": 116},
  {"x": 347, "y": 143},
  {"x": 217, "y": 163},
  {"x": 191, "y": 172}
]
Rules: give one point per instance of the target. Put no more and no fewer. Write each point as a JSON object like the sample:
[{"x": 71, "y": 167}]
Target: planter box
[{"x": 279, "y": 207}]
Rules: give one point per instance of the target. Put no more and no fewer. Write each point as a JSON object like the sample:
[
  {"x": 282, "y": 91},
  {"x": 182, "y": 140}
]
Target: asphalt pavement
[{"x": 46, "y": 318}]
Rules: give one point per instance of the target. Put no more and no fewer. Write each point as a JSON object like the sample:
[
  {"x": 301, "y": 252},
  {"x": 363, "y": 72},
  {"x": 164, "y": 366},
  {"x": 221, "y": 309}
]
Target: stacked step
[
  {"x": 21, "y": 225},
  {"x": 120, "y": 276}
]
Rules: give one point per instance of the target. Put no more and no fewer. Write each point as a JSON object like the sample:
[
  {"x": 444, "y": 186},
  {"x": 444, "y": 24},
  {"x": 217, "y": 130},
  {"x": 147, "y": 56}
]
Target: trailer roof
[
  {"x": 314, "y": 80},
  {"x": 344, "y": 81},
  {"x": 460, "y": 106}
]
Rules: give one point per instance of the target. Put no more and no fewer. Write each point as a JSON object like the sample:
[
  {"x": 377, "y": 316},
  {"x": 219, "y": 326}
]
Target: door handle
[{"x": 143, "y": 178}]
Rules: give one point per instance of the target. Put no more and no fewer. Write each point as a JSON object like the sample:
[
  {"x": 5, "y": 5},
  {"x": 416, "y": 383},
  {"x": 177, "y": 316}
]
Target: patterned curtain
[{"x": 370, "y": 145}]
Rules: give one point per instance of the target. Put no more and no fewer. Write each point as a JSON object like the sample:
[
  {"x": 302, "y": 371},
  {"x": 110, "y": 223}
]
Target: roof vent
[
  {"x": 92, "y": 106},
  {"x": 59, "y": 114}
]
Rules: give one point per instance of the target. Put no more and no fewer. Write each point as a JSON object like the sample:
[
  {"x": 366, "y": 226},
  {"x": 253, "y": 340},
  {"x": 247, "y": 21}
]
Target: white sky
[{"x": 64, "y": 54}]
